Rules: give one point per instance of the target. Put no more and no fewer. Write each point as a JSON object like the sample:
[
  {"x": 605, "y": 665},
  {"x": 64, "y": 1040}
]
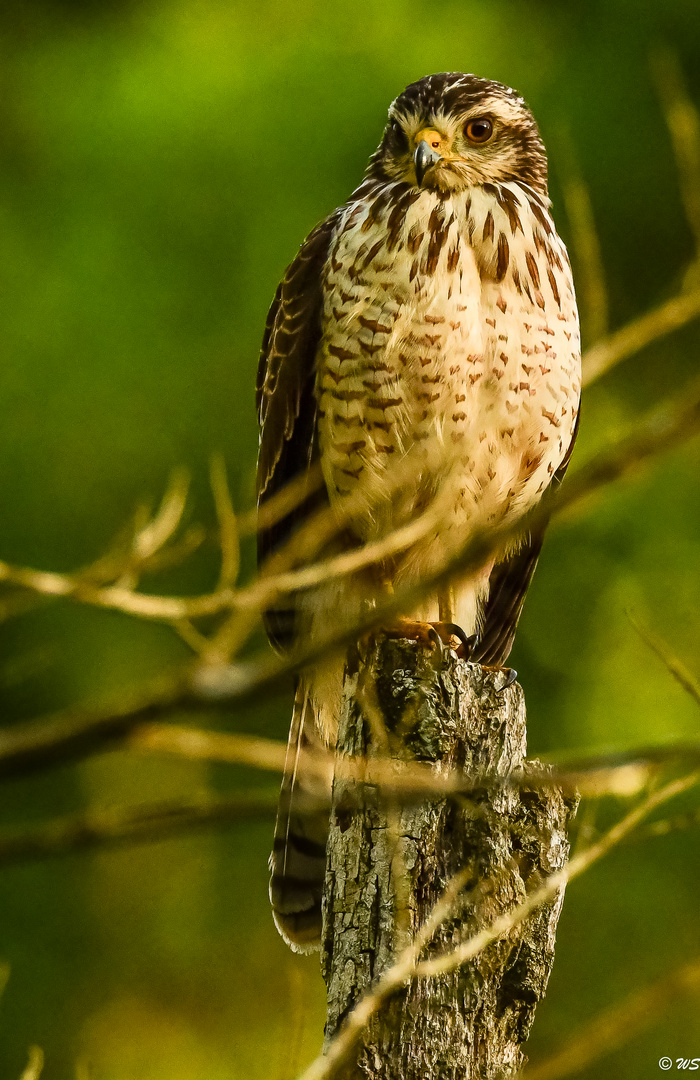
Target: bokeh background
[{"x": 160, "y": 162}]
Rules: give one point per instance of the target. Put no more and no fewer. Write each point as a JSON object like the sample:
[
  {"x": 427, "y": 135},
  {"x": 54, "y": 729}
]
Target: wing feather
[{"x": 286, "y": 400}]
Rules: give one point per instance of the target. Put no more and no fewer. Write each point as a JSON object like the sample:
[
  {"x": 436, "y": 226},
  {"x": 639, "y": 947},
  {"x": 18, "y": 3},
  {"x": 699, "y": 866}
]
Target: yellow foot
[{"x": 435, "y": 634}]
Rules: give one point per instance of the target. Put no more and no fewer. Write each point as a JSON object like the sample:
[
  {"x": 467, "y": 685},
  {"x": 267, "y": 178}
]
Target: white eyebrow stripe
[{"x": 507, "y": 111}]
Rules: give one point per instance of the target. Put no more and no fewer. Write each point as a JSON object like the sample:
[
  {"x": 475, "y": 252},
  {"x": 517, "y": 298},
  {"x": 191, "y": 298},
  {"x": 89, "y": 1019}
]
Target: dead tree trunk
[{"x": 387, "y": 865}]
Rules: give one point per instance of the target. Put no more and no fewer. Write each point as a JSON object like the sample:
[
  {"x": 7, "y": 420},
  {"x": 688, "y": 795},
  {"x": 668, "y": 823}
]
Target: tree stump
[{"x": 388, "y": 863}]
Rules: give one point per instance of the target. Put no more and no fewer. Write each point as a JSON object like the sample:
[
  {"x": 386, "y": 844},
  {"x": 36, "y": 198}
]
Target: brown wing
[
  {"x": 508, "y": 585},
  {"x": 286, "y": 401}
]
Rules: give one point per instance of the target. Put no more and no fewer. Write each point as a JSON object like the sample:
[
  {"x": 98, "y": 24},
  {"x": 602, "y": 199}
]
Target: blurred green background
[{"x": 160, "y": 162}]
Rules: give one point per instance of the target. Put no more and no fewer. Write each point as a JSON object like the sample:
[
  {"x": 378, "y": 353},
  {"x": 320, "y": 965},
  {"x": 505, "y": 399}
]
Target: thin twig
[
  {"x": 35, "y": 1065},
  {"x": 673, "y": 663},
  {"x": 621, "y": 773},
  {"x": 639, "y": 333},
  {"x": 664, "y": 826},
  {"x": 684, "y": 127},
  {"x": 73, "y": 733},
  {"x": 235, "y": 749},
  {"x": 284, "y": 502},
  {"x": 340, "y": 1050},
  {"x": 116, "y": 597},
  {"x": 175, "y": 553},
  {"x": 157, "y": 532},
  {"x": 228, "y": 528},
  {"x": 197, "y": 641},
  {"x": 548, "y": 891}
]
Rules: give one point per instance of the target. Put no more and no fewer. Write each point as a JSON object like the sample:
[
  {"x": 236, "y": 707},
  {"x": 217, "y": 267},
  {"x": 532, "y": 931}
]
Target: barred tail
[{"x": 298, "y": 859}]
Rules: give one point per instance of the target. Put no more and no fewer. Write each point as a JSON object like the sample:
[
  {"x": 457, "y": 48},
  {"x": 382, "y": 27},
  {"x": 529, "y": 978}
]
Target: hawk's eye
[{"x": 479, "y": 130}]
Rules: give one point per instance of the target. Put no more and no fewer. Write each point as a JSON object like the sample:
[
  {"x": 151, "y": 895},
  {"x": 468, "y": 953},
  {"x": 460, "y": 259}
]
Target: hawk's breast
[{"x": 450, "y": 337}]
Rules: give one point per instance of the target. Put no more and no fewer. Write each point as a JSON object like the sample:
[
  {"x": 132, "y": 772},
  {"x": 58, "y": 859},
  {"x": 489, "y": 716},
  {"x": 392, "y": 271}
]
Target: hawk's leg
[
  {"x": 446, "y": 604},
  {"x": 447, "y": 628}
]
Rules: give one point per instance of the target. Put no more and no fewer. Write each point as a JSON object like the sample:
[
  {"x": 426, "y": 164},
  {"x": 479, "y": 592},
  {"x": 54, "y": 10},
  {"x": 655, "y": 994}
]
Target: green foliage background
[{"x": 160, "y": 162}]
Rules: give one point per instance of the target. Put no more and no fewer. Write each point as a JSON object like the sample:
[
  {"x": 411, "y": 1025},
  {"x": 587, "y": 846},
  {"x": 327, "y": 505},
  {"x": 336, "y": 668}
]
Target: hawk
[{"x": 422, "y": 350}]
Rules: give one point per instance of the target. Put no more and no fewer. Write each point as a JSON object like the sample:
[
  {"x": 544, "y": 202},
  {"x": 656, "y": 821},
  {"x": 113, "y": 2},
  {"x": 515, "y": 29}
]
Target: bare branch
[
  {"x": 77, "y": 732},
  {"x": 667, "y": 825},
  {"x": 623, "y": 774},
  {"x": 198, "y": 642},
  {"x": 639, "y": 333},
  {"x": 174, "y": 554},
  {"x": 660, "y": 431},
  {"x": 115, "y": 598},
  {"x": 235, "y": 749},
  {"x": 73, "y": 733},
  {"x": 683, "y": 121},
  {"x": 133, "y": 824}
]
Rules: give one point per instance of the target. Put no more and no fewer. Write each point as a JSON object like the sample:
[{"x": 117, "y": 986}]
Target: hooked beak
[{"x": 423, "y": 158}]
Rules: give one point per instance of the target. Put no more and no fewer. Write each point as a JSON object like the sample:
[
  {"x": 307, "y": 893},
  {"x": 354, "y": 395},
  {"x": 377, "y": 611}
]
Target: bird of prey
[{"x": 423, "y": 352}]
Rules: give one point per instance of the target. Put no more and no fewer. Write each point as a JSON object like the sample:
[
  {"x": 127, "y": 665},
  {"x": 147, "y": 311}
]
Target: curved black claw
[
  {"x": 467, "y": 647},
  {"x": 453, "y": 629},
  {"x": 438, "y": 646},
  {"x": 447, "y": 630},
  {"x": 508, "y": 677}
]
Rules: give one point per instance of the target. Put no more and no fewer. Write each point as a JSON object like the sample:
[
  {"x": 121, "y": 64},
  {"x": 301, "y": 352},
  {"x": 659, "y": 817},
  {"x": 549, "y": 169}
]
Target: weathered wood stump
[{"x": 389, "y": 863}]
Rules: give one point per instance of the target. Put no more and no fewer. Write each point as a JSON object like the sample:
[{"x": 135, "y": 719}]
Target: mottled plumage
[{"x": 424, "y": 346}]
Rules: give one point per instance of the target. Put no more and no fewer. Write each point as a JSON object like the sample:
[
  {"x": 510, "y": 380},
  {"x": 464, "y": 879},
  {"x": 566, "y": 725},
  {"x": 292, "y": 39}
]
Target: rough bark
[{"x": 388, "y": 864}]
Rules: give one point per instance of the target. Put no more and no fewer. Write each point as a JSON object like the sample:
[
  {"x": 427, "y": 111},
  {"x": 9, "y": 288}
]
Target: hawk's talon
[
  {"x": 508, "y": 677},
  {"x": 435, "y": 640},
  {"x": 453, "y": 629},
  {"x": 439, "y": 635},
  {"x": 467, "y": 642},
  {"x": 467, "y": 647}
]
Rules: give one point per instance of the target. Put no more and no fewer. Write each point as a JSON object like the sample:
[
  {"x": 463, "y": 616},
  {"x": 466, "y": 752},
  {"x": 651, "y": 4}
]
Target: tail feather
[{"x": 298, "y": 859}]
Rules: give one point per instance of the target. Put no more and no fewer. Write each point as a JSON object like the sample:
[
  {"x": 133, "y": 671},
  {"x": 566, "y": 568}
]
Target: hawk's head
[{"x": 452, "y": 131}]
